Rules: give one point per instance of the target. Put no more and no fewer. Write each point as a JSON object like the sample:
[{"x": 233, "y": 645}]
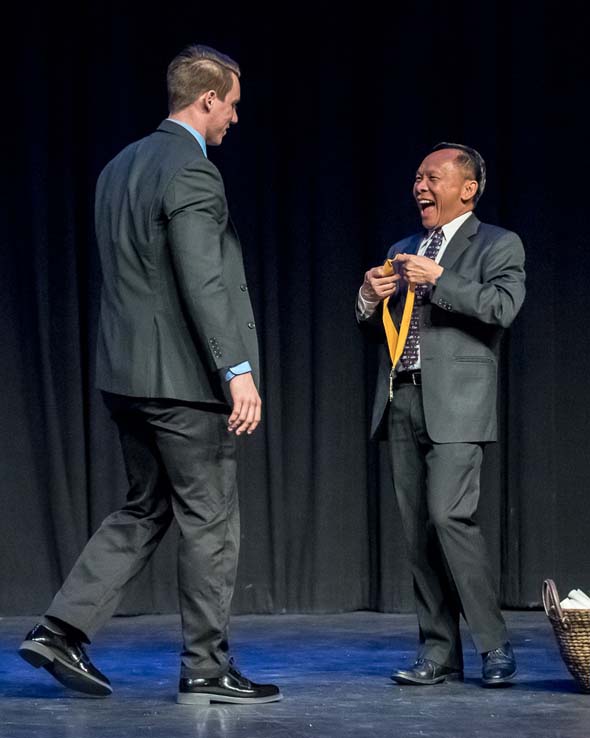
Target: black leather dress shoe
[
  {"x": 65, "y": 659},
  {"x": 499, "y": 666},
  {"x": 426, "y": 672},
  {"x": 231, "y": 687}
]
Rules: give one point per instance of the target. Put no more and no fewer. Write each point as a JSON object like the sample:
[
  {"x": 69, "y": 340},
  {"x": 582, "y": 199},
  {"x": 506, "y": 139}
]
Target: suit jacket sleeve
[
  {"x": 497, "y": 296},
  {"x": 372, "y": 325},
  {"x": 197, "y": 211}
]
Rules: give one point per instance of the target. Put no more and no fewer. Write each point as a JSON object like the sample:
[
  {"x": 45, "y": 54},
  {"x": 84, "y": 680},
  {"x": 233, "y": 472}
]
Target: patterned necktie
[{"x": 411, "y": 350}]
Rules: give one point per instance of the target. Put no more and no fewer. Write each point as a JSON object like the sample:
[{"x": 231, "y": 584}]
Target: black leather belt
[{"x": 412, "y": 377}]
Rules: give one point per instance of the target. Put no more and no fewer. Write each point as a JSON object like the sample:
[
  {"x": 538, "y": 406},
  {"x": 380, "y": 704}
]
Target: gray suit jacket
[
  {"x": 478, "y": 295},
  {"x": 174, "y": 308}
]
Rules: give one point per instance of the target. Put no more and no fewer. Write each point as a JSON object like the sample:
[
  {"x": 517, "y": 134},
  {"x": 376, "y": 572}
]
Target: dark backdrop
[{"x": 338, "y": 109}]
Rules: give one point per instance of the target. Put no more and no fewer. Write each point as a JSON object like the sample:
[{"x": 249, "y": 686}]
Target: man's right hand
[
  {"x": 376, "y": 287},
  {"x": 247, "y": 405}
]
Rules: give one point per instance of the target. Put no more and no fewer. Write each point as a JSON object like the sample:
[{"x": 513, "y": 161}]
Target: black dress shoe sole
[
  {"x": 39, "y": 655},
  {"x": 501, "y": 682},
  {"x": 205, "y": 698},
  {"x": 402, "y": 678}
]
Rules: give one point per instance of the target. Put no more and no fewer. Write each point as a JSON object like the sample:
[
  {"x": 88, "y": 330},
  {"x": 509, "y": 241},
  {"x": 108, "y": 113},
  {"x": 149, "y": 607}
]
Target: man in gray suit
[
  {"x": 437, "y": 405},
  {"x": 177, "y": 362}
]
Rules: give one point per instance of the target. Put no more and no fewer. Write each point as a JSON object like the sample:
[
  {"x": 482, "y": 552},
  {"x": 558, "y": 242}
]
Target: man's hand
[
  {"x": 247, "y": 405},
  {"x": 418, "y": 269},
  {"x": 376, "y": 287}
]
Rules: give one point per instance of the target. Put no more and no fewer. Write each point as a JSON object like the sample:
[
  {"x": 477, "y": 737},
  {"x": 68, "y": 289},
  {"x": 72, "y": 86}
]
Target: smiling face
[
  {"x": 221, "y": 113},
  {"x": 443, "y": 189}
]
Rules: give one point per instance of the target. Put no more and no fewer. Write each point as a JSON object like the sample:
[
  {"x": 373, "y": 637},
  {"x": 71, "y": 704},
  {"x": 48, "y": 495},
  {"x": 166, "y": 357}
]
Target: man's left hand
[
  {"x": 246, "y": 404},
  {"x": 418, "y": 269}
]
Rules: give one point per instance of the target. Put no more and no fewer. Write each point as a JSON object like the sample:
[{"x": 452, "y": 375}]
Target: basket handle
[{"x": 551, "y": 602}]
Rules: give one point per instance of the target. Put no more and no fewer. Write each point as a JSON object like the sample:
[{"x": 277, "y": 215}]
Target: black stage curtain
[{"x": 338, "y": 108}]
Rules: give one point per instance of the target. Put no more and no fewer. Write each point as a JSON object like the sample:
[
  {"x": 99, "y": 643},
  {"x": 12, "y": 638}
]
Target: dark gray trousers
[
  {"x": 437, "y": 488},
  {"x": 180, "y": 462}
]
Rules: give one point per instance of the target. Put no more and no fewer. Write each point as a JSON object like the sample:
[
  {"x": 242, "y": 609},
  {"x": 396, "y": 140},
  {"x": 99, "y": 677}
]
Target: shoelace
[{"x": 498, "y": 654}]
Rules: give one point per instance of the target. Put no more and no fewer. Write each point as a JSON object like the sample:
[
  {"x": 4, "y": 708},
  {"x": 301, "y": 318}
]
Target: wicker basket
[{"x": 572, "y": 631}]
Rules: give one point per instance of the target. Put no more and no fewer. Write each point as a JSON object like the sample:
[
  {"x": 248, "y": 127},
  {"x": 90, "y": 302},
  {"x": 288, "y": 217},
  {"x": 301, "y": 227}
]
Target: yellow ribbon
[{"x": 396, "y": 341}]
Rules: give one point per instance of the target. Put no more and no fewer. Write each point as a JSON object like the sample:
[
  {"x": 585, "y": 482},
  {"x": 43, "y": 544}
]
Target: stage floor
[{"x": 333, "y": 671}]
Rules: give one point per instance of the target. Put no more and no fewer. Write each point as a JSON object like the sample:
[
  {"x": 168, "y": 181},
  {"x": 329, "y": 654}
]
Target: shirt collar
[
  {"x": 200, "y": 138},
  {"x": 449, "y": 229}
]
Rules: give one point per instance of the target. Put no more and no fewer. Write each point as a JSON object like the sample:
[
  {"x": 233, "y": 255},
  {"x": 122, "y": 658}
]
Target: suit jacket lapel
[
  {"x": 459, "y": 242},
  {"x": 457, "y": 245}
]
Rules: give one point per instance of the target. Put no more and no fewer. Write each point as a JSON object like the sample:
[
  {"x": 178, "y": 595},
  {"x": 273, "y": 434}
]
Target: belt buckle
[{"x": 414, "y": 375}]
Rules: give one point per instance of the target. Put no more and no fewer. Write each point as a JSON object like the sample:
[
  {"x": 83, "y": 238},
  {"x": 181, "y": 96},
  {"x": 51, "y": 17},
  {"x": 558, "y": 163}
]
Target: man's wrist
[
  {"x": 234, "y": 371},
  {"x": 365, "y": 302},
  {"x": 439, "y": 271},
  {"x": 368, "y": 299}
]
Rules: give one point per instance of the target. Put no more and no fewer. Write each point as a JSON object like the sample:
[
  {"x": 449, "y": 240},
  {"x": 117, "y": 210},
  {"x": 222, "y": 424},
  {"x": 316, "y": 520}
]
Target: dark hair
[
  {"x": 195, "y": 70},
  {"x": 471, "y": 160}
]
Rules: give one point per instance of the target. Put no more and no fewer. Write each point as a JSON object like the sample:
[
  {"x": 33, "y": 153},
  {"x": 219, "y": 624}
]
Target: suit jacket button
[
  {"x": 244, "y": 287},
  {"x": 251, "y": 324}
]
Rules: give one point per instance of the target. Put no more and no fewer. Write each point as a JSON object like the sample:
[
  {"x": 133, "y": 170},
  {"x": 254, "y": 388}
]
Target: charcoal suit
[
  {"x": 175, "y": 314},
  {"x": 437, "y": 431}
]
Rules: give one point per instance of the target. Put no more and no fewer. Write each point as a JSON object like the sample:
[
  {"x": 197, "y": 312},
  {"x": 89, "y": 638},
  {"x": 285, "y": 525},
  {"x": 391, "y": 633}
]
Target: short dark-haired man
[
  {"x": 436, "y": 399},
  {"x": 177, "y": 354}
]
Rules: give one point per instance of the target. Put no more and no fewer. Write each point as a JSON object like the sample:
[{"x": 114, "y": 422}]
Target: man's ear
[
  {"x": 469, "y": 190},
  {"x": 209, "y": 99}
]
